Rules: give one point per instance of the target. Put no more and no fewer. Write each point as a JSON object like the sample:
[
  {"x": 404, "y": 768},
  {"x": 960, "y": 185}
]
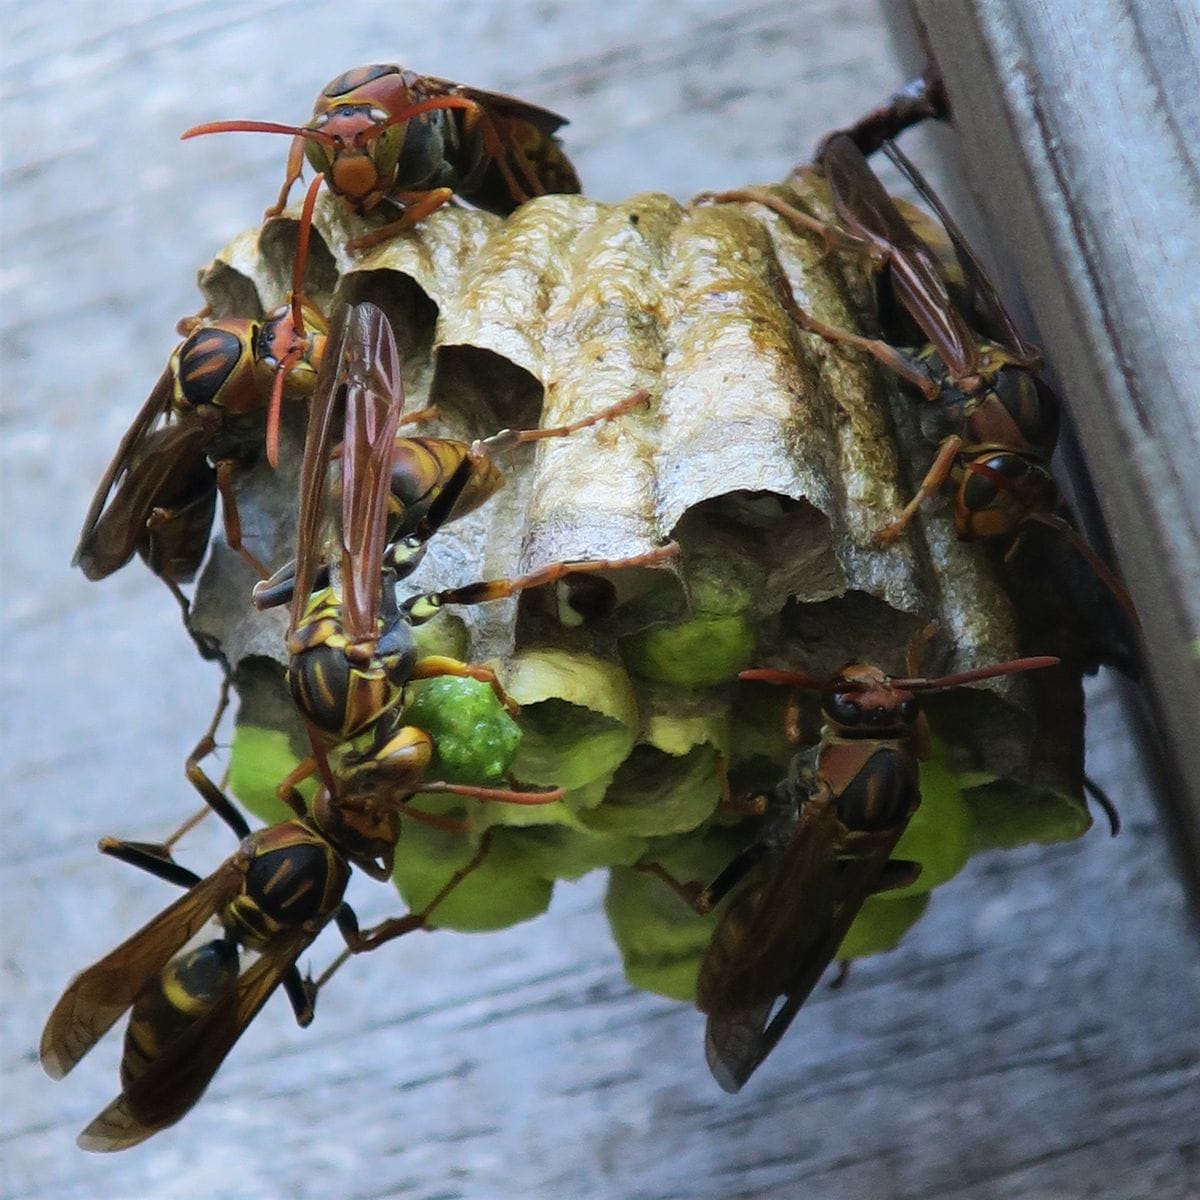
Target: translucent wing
[
  {"x": 801, "y": 916},
  {"x": 374, "y": 401},
  {"x": 168, "y": 459},
  {"x": 916, "y": 277},
  {"x": 497, "y": 102},
  {"x": 129, "y": 450},
  {"x": 993, "y": 317},
  {"x": 314, "y": 468},
  {"x": 95, "y": 999},
  {"x": 171, "y": 1084}
]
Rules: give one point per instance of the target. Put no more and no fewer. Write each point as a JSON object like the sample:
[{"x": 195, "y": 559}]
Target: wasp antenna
[
  {"x": 1101, "y": 797},
  {"x": 274, "y": 410},
  {"x": 415, "y": 110},
  {"x": 794, "y": 679},
  {"x": 314, "y": 135},
  {"x": 500, "y": 795},
  {"x": 1012, "y": 667}
]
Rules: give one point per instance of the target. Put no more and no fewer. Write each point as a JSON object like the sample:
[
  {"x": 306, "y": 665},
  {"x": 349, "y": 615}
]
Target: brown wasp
[
  {"x": 830, "y": 829},
  {"x": 198, "y": 425},
  {"x": 435, "y": 481},
  {"x": 991, "y": 413},
  {"x": 351, "y": 647},
  {"x": 921, "y": 99},
  {"x": 381, "y": 135}
]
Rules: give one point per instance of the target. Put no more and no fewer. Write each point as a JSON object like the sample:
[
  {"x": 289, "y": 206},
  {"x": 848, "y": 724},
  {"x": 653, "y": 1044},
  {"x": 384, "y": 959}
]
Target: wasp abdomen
[{"x": 185, "y": 989}]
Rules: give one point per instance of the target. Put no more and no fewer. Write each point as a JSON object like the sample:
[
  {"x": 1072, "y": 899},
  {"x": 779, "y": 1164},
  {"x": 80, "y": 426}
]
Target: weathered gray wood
[
  {"x": 1077, "y": 128},
  {"x": 1036, "y": 1036}
]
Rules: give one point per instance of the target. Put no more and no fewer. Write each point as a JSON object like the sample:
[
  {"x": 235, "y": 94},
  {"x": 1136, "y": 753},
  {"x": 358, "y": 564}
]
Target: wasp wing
[
  {"x": 916, "y": 276},
  {"x": 989, "y": 310},
  {"x": 374, "y": 402},
  {"x": 170, "y": 1085},
  {"x": 129, "y": 450},
  {"x": 532, "y": 153},
  {"x": 761, "y": 936},
  {"x": 426, "y": 86},
  {"x": 171, "y": 465},
  {"x": 314, "y": 467},
  {"x": 96, "y": 998},
  {"x": 737, "y": 1041}
]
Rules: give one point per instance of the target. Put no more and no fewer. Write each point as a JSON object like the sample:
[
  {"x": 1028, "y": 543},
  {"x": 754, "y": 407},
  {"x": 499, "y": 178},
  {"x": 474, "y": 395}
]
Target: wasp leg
[
  {"x": 295, "y": 166},
  {"x": 286, "y": 790},
  {"x": 361, "y": 941},
  {"x": 422, "y": 608},
  {"x": 497, "y": 147},
  {"x": 833, "y": 237},
  {"x": 1097, "y": 793},
  {"x": 753, "y": 805},
  {"x": 506, "y": 439},
  {"x": 147, "y": 857},
  {"x": 215, "y": 799},
  {"x": 496, "y": 795},
  {"x": 233, "y": 520},
  {"x": 704, "y": 899},
  {"x": 186, "y": 326},
  {"x": 889, "y": 356},
  {"x": 938, "y": 473},
  {"x": 433, "y": 666},
  {"x": 419, "y": 206}
]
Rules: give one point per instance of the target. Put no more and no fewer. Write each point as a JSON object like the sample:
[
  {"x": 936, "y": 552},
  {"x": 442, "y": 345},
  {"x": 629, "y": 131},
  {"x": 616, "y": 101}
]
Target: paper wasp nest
[{"x": 769, "y": 456}]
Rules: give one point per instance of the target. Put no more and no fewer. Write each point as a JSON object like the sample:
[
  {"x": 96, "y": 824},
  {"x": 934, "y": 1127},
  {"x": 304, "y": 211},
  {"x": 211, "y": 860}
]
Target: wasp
[
  {"x": 382, "y": 136},
  {"x": 921, "y": 99},
  {"x": 991, "y": 413},
  {"x": 351, "y": 647},
  {"x": 830, "y": 829},
  {"x": 199, "y": 424},
  {"x": 273, "y": 896},
  {"x": 434, "y": 481}
]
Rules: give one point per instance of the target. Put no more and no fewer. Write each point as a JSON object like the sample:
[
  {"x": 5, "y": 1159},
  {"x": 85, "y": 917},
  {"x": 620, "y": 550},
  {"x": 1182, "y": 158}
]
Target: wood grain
[
  {"x": 1077, "y": 127},
  {"x": 1036, "y": 1036}
]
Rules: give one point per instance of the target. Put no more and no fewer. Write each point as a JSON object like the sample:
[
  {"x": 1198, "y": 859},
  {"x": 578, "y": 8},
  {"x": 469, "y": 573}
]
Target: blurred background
[{"x": 1034, "y": 1036}]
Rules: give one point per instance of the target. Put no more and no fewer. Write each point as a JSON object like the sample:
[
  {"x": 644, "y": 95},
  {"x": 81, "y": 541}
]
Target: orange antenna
[
  {"x": 796, "y": 679},
  {"x": 1012, "y": 667},
  {"x": 415, "y": 110},
  {"x": 314, "y": 135}
]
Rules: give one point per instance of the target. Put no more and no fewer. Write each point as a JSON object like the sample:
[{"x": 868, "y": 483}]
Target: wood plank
[
  {"x": 1077, "y": 126},
  {"x": 1036, "y": 1036}
]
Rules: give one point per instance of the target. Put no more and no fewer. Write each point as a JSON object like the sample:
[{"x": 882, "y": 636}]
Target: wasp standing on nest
[
  {"x": 826, "y": 846},
  {"x": 385, "y": 137},
  {"x": 351, "y": 647},
  {"x": 992, "y": 414},
  {"x": 209, "y": 400}
]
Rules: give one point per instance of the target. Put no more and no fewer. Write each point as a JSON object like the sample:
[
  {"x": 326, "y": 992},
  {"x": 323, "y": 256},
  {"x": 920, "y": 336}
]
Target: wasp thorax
[
  {"x": 206, "y": 361},
  {"x": 348, "y": 81}
]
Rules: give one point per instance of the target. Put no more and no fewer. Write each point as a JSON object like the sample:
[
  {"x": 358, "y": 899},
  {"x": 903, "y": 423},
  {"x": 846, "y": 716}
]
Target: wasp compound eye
[{"x": 842, "y": 709}]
